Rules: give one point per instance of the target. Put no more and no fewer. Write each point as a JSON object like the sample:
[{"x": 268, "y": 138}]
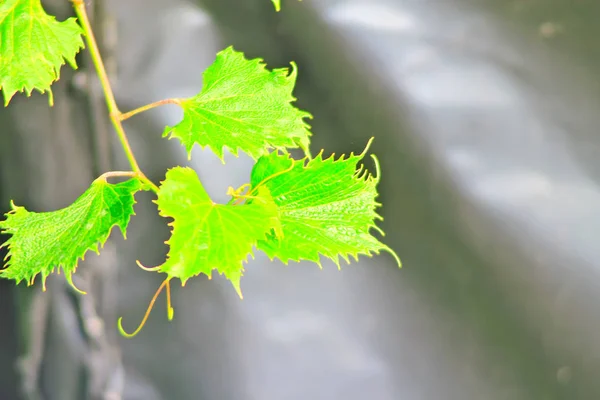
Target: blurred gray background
[{"x": 485, "y": 116}]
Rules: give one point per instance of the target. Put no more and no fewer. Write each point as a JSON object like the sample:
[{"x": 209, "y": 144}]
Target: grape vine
[{"x": 292, "y": 209}]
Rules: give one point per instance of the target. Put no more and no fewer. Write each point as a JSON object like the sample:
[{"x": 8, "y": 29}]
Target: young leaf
[
  {"x": 209, "y": 236},
  {"x": 41, "y": 242},
  {"x": 242, "y": 106},
  {"x": 326, "y": 207},
  {"x": 33, "y": 47}
]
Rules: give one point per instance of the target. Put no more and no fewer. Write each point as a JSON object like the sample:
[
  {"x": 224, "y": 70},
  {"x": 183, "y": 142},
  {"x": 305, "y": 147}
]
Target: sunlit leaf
[{"x": 33, "y": 47}]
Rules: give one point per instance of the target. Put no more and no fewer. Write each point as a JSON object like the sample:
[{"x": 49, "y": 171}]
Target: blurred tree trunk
[{"x": 48, "y": 157}]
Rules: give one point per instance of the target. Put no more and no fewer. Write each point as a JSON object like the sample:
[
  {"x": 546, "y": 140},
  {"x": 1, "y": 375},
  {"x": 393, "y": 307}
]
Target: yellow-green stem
[
  {"x": 124, "y": 116},
  {"x": 149, "y": 183},
  {"x": 113, "y": 110}
]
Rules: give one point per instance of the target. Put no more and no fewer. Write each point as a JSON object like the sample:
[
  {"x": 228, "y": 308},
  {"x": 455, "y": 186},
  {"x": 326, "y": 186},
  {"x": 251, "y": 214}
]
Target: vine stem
[
  {"x": 124, "y": 116},
  {"x": 113, "y": 110}
]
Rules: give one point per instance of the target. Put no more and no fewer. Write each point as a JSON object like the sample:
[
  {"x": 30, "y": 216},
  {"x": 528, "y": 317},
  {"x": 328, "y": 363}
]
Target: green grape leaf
[
  {"x": 33, "y": 47},
  {"x": 41, "y": 242},
  {"x": 242, "y": 106},
  {"x": 209, "y": 236},
  {"x": 327, "y": 207}
]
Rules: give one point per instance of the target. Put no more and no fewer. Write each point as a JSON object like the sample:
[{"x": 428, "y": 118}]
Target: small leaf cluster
[{"x": 292, "y": 209}]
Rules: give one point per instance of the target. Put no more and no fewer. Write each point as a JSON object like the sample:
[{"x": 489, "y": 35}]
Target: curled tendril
[
  {"x": 237, "y": 195},
  {"x": 150, "y": 269},
  {"x": 70, "y": 282},
  {"x": 261, "y": 183},
  {"x": 170, "y": 310},
  {"x": 237, "y": 192}
]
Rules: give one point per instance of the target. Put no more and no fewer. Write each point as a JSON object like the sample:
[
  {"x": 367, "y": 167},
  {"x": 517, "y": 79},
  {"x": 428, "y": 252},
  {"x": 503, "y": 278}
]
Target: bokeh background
[{"x": 485, "y": 115}]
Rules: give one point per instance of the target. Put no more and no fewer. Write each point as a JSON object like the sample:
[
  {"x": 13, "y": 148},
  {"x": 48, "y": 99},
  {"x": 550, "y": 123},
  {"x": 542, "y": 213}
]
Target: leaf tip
[
  {"x": 294, "y": 72},
  {"x": 393, "y": 254},
  {"x": 364, "y": 152},
  {"x": 69, "y": 278},
  {"x": 238, "y": 289},
  {"x": 377, "y": 174},
  {"x": 8, "y": 95}
]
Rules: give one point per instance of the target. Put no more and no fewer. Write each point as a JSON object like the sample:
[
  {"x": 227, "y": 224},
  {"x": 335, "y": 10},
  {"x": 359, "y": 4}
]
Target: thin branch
[{"x": 113, "y": 110}]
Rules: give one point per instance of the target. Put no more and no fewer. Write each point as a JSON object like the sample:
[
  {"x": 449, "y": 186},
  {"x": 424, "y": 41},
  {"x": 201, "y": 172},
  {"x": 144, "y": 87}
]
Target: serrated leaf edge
[
  {"x": 68, "y": 275},
  {"x": 361, "y": 173},
  {"x": 250, "y": 254},
  {"x": 220, "y": 152},
  {"x": 28, "y": 90}
]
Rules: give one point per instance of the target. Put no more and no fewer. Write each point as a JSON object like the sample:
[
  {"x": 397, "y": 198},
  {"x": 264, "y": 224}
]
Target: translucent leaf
[
  {"x": 33, "y": 47},
  {"x": 208, "y": 236},
  {"x": 242, "y": 106},
  {"x": 41, "y": 242},
  {"x": 327, "y": 207}
]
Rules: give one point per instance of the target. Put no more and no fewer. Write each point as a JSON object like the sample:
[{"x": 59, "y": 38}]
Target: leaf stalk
[
  {"x": 127, "y": 115},
  {"x": 129, "y": 174}
]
